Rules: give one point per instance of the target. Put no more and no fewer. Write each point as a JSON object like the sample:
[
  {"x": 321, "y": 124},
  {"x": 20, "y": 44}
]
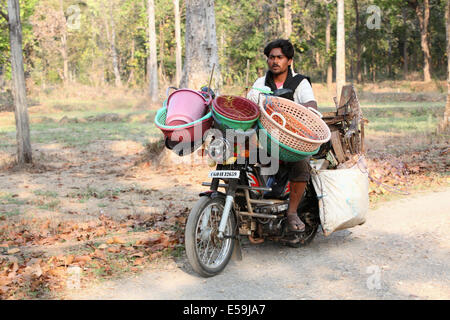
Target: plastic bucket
[
  {"x": 185, "y": 106},
  {"x": 187, "y": 133}
]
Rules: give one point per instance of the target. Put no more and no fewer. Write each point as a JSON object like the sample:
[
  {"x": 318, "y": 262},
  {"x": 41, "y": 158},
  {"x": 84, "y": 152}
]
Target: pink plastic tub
[{"x": 185, "y": 106}]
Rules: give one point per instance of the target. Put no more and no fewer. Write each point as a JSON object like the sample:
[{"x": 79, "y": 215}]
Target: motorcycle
[{"x": 244, "y": 202}]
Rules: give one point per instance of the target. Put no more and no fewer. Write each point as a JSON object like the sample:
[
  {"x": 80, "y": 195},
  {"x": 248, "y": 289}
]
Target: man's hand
[{"x": 310, "y": 104}]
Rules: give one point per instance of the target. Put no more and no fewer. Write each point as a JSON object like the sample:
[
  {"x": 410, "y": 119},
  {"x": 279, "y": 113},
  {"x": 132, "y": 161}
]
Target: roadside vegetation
[{"x": 91, "y": 202}]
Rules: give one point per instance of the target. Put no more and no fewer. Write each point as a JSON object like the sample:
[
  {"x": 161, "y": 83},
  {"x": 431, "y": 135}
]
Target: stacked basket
[
  {"x": 298, "y": 131},
  {"x": 177, "y": 129},
  {"x": 232, "y": 112}
]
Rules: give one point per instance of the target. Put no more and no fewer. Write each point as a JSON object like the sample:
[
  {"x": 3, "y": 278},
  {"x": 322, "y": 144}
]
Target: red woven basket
[{"x": 236, "y": 108}]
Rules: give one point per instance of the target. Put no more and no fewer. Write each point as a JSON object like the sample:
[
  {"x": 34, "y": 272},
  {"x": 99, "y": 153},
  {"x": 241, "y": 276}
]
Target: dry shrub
[{"x": 152, "y": 150}]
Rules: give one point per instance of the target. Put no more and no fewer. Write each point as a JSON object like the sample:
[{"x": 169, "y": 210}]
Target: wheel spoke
[
  {"x": 206, "y": 251},
  {"x": 211, "y": 250},
  {"x": 214, "y": 249}
]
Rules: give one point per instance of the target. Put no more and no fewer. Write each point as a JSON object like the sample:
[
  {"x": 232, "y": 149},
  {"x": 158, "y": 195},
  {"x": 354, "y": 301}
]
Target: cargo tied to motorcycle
[{"x": 343, "y": 196}]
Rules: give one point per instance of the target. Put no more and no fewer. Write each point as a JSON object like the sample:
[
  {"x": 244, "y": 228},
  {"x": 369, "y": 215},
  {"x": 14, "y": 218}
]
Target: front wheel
[{"x": 207, "y": 254}]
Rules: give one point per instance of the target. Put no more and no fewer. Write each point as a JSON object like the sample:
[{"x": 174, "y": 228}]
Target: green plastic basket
[
  {"x": 286, "y": 153},
  {"x": 160, "y": 119},
  {"x": 233, "y": 124}
]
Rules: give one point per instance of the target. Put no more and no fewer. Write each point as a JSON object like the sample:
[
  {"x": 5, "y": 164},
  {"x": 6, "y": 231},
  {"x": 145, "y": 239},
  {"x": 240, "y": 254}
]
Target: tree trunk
[
  {"x": 131, "y": 76},
  {"x": 287, "y": 19},
  {"x": 115, "y": 58},
  {"x": 446, "y": 120},
  {"x": 389, "y": 62},
  {"x": 2, "y": 79},
  {"x": 18, "y": 84},
  {"x": 152, "y": 64},
  {"x": 358, "y": 44},
  {"x": 179, "y": 67},
  {"x": 405, "y": 44},
  {"x": 201, "y": 45},
  {"x": 161, "y": 70},
  {"x": 64, "y": 50},
  {"x": 340, "y": 50},
  {"x": 327, "y": 47},
  {"x": 424, "y": 18}
]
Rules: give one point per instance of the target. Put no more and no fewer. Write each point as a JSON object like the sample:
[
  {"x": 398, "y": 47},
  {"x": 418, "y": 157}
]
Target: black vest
[{"x": 290, "y": 83}]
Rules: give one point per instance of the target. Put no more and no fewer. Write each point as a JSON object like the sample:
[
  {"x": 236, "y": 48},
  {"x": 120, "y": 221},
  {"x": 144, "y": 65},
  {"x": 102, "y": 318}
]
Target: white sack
[{"x": 343, "y": 197}]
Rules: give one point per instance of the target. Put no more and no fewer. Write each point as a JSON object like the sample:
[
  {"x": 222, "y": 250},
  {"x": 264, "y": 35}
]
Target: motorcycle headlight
[{"x": 219, "y": 150}]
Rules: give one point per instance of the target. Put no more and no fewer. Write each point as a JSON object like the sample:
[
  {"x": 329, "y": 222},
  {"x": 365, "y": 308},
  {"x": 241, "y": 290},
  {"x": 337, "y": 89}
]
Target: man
[{"x": 279, "y": 59}]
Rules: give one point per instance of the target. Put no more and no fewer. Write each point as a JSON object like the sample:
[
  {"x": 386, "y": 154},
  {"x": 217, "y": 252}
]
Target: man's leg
[
  {"x": 297, "y": 190},
  {"x": 298, "y": 176}
]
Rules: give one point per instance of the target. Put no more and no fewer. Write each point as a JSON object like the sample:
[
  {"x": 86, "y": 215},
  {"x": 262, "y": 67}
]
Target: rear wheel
[{"x": 207, "y": 254}]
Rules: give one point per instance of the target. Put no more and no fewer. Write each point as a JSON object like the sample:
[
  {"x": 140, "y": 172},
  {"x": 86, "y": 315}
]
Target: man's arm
[
  {"x": 304, "y": 95},
  {"x": 254, "y": 95}
]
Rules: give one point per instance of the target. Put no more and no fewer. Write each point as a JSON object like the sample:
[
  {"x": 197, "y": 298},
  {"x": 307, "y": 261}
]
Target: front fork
[{"x": 232, "y": 184}]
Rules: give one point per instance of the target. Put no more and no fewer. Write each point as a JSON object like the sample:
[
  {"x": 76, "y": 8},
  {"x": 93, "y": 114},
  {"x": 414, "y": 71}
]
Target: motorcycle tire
[{"x": 198, "y": 232}]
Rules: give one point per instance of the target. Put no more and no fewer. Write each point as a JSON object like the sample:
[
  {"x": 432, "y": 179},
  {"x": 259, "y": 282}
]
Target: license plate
[{"x": 224, "y": 174}]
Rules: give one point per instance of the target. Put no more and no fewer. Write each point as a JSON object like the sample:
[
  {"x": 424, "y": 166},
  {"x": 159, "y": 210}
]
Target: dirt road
[{"x": 401, "y": 252}]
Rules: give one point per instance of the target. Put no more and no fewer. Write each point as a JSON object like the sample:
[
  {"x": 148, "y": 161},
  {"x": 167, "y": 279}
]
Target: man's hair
[{"x": 285, "y": 46}]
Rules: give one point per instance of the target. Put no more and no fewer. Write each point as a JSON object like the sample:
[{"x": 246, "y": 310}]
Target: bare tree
[
  {"x": 358, "y": 43},
  {"x": 152, "y": 64},
  {"x": 405, "y": 44},
  {"x": 446, "y": 120},
  {"x": 64, "y": 45},
  {"x": 201, "y": 44},
  {"x": 111, "y": 36},
  {"x": 328, "y": 45},
  {"x": 340, "y": 50},
  {"x": 424, "y": 18},
  {"x": 179, "y": 66},
  {"x": 115, "y": 58},
  {"x": 18, "y": 83},
  {"x": 287, "y": 19}
]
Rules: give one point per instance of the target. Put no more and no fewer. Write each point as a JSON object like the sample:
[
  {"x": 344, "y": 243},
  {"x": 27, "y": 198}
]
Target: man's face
[{"x": 278, "y": 62}]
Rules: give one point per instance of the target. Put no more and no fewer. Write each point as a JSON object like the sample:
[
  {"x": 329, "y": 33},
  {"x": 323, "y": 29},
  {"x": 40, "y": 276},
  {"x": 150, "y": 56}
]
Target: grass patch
[
  {"x": 422, "y": 124},
  {"x": 91, "y": 192},
  {"x": 176, "y": 252},
  {"x": 10, "y": 213},
  {"x": 47, "y": 194},
  {"x": 83, "y": 134},
  {"x": 50, "y": 206},
  {"x": 9, "y": 198}
]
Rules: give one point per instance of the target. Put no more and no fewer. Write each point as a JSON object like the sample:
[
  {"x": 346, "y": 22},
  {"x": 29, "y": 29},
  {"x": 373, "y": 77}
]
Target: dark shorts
[{"x": 298, "y": 171}]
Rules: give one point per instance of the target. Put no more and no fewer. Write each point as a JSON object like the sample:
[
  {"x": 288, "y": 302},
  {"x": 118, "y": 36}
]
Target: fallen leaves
[
  {"x": 13, "y": 251},
  {"x": 138, "y": 261},
  {"x": 114, "y": 249},
  {"x": 23, "y": 273},
  {"x": 115, "y": 240},
  {"x": 82, "y": 259}
]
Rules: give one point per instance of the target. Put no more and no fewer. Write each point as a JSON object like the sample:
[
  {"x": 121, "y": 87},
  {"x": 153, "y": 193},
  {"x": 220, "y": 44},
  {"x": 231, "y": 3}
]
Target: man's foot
[{"x": 294, "y": 223}]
